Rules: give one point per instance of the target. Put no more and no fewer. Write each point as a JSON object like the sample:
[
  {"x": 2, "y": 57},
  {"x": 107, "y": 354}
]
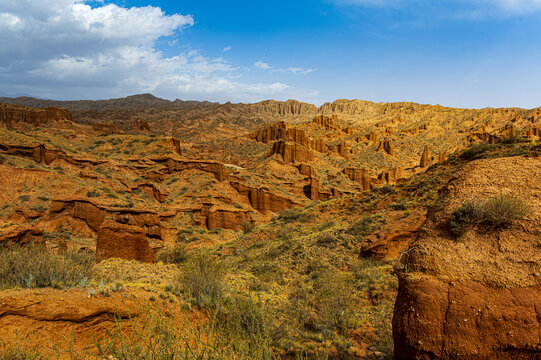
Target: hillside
[{"x": 246, "y": 224}]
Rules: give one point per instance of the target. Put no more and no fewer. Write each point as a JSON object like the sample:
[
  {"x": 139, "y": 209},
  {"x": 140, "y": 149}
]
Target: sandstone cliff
[{"x": 477, "y": 297}]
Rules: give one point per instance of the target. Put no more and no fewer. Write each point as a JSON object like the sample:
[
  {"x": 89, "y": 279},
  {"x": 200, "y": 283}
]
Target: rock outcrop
[
  {"x": 94, "y": 215},
  {"x": 478, "y": 297},
  {"x": 12, "y": 115},
  {"x": 176, "y": 165},
  {"x": 387, "y": 146},
  {"x": 122, "y": 241},
  {"x": 291, "y": 152},
  {"x": 341, "y": 149},
  {"x": 424, "y": 157},
  {"x": 391, "y": 176},
  {"x": 225, "y": 218},
  {"x": 390, "y": 242},
  {"x": 282, "y": 131},
  {"x": 306, "y": 170},
  {"x": 263, "y": 200},
  {"x": 151, "y": 190},
  {"x": 362, "y": 176},
  {"x": 106, "y": 128},
  {"x": 44, "y": 154},
  {"x": 326, "y": 122},
  {"x": 19, "y": 235}
]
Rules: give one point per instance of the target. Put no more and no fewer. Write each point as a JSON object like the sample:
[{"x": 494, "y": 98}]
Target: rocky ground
[{"x": 265, "y": 230}]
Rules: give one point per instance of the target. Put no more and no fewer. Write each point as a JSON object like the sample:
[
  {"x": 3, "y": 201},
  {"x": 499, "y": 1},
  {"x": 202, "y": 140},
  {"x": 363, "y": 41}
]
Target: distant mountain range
[{"x": 129, "y": 102}]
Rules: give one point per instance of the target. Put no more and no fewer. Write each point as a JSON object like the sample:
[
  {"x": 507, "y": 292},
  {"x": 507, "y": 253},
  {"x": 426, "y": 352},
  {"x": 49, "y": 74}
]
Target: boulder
[{"x": 122, "y": 241}]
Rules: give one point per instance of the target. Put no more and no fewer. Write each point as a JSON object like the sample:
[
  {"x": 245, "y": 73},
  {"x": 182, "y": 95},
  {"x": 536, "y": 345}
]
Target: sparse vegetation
[
  {"x": 177, "y": 255},
  {"x": 45, "y": 270},
  {"x": 497, "y": 211},
  {"x": 202, "y": 279}
]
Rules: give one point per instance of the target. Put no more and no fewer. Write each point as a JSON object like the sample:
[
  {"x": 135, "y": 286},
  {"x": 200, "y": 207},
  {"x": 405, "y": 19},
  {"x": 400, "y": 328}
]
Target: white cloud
[
  {"x": 68, "y": 49},
  {"x": 262, "y": 65},
  {"x": 293, "y": 70},
  {"x": 227, "y": 48}
]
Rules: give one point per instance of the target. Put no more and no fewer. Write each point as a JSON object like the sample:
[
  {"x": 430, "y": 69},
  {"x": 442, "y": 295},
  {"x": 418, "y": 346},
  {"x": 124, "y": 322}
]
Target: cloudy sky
[{"x": 463, "y": 53}]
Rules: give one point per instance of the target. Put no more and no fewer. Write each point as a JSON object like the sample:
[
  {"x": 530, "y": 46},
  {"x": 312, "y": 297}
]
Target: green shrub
[
  {"x": 476, "y": 151},
  {"x": 44, "y": 269},
  {"x": 247, "y": 226},
  {"x": 503, "y": 209},
  {"x": 334, "y": 302},
  {"x": 237, "y": 330},
  {"x": 92, "y": 193},
  {"x": 177, "y": 255},
  {"x": 19, "y": 350},
  {"x": 384, "y": 190},
  {"x": 468, "y": 214},
  {"x": 203, "y": 279},
  {"x": 326, "y": 239},
  {"x": 497, "y": 211},
  {"x": 363, "y": 226},
  {"x": 291, "y": 215}
]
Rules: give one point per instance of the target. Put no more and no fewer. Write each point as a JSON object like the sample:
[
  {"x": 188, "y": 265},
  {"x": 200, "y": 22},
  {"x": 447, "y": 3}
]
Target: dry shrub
[
  {"x": 33, "y": 266},
  {"x": 202, "y": 279}
]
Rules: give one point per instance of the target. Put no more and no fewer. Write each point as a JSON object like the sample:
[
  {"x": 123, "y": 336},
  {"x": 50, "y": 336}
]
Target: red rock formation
[
  {"x": 46, "y": 155},
  {"x": 106, "y": 128},
  {"x": 532, "y": 131},
  {"x": 349, "y": 130},
  {"x": 424, "y": 157},
  {"x": 11, "y": 115},
  {"x": 312, "y": 189},
  {"x": 390, "y": 242},
  {"x": 142, "y": 125},
  {"x": 291, "y": 153},
  {"x": 477, "y": 297},
  {"x": 276, "y": 131},
  {"x": 282, "y": 131},
  {"x": 151, "y": 190},
  {"x": 176, "y": 145},
  {"x": 462, "y": 319},
  {"x": 387, "y": 146},
  {"x": 341, "y": 149},
  {"x": 442, "y": 157},
  {"x": 225, "y": 218},
  {"x": 317, "y": 145},
  {"x": 326, "y": 122},
  {"x": 263, "y": 200},
  {"x": 214, "y": 167},
  {"x": 306, "y": 170},
  {"x": 362, "y": 176},
  {"x": 21, "y": 235},
  {"x": 122, "y": 241},
  {"x": 94, "y": 215},
  {"x": 372, "y": 137},
  {"x": 391, "y": 176}
]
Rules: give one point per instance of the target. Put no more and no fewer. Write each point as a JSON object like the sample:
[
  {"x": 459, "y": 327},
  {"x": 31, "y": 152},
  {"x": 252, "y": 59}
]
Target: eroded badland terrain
[{"x": 140, "y": 228}]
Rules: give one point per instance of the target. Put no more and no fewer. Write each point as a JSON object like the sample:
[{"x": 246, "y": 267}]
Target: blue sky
[{"x": 458, "y": 53}]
